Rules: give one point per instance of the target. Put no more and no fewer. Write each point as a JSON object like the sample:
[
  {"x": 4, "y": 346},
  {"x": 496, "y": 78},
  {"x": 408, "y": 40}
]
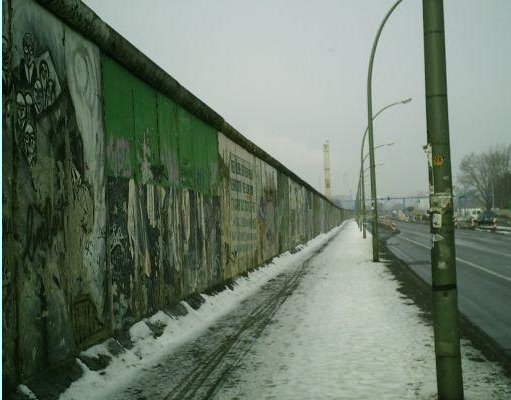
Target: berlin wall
[{"x": 122, "y": 192}]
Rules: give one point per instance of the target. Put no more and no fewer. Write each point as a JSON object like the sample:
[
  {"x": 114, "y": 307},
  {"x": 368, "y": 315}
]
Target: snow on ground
[
  {"x": 147, "y": 350},
  {"x": 344, "y": 333},
  {"x": 27, "y": 392},
  {"x": 347, "y": 333}
]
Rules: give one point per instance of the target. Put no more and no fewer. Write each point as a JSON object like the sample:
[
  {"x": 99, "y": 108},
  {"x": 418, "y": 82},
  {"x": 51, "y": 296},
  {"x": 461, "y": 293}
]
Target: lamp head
[{"x": 406, "y": 101}]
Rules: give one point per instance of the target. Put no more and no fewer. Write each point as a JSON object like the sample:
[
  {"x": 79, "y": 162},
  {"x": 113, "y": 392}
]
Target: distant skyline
[{"x": 290, "y": 75}]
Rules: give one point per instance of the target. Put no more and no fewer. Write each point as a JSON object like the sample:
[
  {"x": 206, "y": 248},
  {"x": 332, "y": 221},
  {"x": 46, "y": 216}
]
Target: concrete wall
[{"x": 122, "y": 195}]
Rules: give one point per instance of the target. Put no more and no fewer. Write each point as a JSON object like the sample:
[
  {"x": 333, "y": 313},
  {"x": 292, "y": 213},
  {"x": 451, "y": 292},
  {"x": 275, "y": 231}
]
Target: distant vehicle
[{"x": 486, "y": 218}]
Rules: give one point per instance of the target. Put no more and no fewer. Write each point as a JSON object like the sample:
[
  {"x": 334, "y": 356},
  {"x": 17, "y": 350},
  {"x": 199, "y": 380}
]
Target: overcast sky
[{"x": 291, "y": 75}]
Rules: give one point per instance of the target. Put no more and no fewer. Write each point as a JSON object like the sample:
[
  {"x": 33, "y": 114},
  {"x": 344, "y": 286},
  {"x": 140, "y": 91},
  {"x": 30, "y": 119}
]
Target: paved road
[{"x": 483, "y": 272}]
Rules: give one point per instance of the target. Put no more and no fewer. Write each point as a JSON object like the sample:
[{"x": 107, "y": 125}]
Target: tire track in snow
[{"x": 207, "y": 377}]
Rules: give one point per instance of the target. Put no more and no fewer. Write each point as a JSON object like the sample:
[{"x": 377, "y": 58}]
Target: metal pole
[
  {"x": 443, "y": 257},
  {"x": 357, "y": 204},
  {"x": 363, "y": 184},
  {"x": 376, "y": 251},
  {"x": 360, "y": 202}
]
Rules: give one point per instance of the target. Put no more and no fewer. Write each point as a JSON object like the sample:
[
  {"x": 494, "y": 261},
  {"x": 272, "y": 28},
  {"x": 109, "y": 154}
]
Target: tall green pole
[
  {"x": 376, "y": 250},
  {"x": 363, "y": 194},
  {"x": 443, "y": 257},
  {"x": 359, "y": 202},
  {"x": 357, "y": 205}
]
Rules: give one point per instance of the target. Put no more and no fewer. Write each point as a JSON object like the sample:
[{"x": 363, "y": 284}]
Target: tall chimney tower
[{"x": 326, "y": 154}]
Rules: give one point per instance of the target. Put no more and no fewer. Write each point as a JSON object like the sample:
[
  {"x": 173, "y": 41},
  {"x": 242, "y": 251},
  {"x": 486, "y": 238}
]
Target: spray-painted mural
[
  {"x": 264, "y": 212},
  {"x": 119, "y": 202},
  {"x": 9, "y": 314},
  {"x": 59, "y": 213},
  {"x": 238, "y": 207},
  {"x": 249, "y": 199}
]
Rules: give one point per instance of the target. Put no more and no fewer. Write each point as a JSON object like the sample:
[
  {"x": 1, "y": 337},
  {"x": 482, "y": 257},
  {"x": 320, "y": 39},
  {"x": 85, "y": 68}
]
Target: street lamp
[
  {"x": 362, "y": 185},
  {"x": 376, "y": 251},
  {"x": 376, "y": 148}
]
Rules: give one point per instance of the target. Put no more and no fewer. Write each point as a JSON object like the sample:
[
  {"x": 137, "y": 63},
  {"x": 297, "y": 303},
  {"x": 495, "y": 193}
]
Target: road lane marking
[
  {"x": 463, "y": 242},
  {"x": 506, "y": 278},
  {"x": 459, "y": 242}
]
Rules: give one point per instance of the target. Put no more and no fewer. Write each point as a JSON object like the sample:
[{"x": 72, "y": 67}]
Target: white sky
[{"x": 291, "y": 74}]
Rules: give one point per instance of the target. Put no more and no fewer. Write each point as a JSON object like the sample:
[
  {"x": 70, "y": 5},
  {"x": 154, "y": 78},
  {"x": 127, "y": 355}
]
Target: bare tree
[{"x": 487, "y": 173}]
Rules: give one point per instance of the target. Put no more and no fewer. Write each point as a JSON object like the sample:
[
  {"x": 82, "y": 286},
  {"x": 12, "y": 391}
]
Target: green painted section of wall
[
  {"x": 148, "y": 165},
  {"x": 153, "y": 140},
  {"x": 169, "y": 142},
  {"x": 120, "y": 123},
  {"x": 205, "y": 156}
]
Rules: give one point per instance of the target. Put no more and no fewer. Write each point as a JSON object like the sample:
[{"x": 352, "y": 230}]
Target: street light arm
[
  {"x": 406, "y": 101},
  {"x": 377, "y": 147},
  {"x": 370, "y": 70}
]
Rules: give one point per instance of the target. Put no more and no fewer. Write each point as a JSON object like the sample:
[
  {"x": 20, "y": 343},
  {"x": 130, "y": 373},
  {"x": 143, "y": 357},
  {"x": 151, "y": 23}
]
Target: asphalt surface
[{"x": 483, "y": 263}]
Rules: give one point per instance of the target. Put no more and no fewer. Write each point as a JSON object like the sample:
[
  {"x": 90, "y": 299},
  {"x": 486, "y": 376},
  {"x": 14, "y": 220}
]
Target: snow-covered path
[{"x": 324, "y": 323}]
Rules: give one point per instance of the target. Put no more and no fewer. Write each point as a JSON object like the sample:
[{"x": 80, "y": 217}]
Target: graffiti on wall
[
  {"x": 266, "y": 204},
  {"x": 59, "y": 189},
  {"x": 249, "y": 196},
  {"x": 164, "y": 244},
  {"x": 37, "y": 88},
  {"x": 9, "y": 315},
  {"x": 264, "y": 212},
  {"x": 113, "y": 223},
  {"x": 243, "y": 205}
]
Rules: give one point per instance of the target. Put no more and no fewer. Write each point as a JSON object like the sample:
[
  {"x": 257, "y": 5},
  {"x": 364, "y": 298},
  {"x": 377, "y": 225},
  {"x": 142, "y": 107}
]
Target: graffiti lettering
[{"x": 241, "y": 167}]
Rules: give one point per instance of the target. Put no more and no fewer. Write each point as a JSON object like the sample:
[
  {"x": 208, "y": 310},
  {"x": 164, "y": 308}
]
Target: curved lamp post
[
  {"x": 362, "y": 184},
  {"x": 376, "y": 251}
]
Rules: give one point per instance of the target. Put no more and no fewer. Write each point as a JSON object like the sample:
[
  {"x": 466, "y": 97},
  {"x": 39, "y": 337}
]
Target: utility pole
[{"x": 443, "y": 257}]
